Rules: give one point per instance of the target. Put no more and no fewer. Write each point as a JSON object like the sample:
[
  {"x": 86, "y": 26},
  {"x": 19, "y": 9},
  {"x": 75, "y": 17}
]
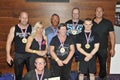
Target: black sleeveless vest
[
  {"x": 35, "y": 45},
  {"x": 18, "y": 36}
]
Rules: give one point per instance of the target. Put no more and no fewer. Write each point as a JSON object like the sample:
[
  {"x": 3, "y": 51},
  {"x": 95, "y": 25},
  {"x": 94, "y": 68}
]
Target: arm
[
  {"x": 9, "y": 43},
  {"x": 112, "y": 41},
  {"x": 88, "y": 56},
  {"x": 81, "y": 50},
  {"x": 71, "y": 53},
  {"x": 52, "y": 53},
  {"x": 93, "y": 52},
  {"x": 29, "y": 43},
  {"x": 96, "y": 47}
]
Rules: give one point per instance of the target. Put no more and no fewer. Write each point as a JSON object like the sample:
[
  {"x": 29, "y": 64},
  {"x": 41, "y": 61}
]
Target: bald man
[
  {"x": 104, "y": 28},
  {"x": 19, "y": 34}
]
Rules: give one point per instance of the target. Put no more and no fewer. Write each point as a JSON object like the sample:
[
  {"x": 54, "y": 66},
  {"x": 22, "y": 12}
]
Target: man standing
[
  {"x": 87, "y": 43},
  {"x": 52, "y": 30},
  {"x": 19, "y": 34},
  {"x": 104, "y": 29},
  {"x": 74, "y": 27}
]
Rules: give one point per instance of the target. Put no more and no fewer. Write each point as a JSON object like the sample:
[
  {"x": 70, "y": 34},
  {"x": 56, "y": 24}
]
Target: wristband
[
  {"x": 34, "y": 51},
  {"x": 56, "y": 59}
]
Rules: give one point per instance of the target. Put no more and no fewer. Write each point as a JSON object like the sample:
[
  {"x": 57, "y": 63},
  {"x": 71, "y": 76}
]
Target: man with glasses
[
  {"x": 40, "y": 72},
  {"x": 74, "y": 27}
]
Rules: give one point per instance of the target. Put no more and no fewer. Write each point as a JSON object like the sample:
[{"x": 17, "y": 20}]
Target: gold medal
[
  {"x": 74, "y": 32},
  {"x": 24, "y": 40},
  {"x": 62, "y": 50},
  {"x": 87, "y": 46}
]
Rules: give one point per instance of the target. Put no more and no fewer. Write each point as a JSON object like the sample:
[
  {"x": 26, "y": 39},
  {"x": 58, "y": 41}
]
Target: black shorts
[{"x": 86, "y": 67}]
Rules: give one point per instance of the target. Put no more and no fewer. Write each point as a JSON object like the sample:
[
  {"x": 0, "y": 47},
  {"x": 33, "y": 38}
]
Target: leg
[
  {"x": 83, "y": 68},
  {"x": 81, "y": 76},
  {"x": 27, "y": 62},
  {"x": 102, "y": 56},
  {"x": 92, "y": 76},
  {"x": 18, "y": 66},
  {"x": 92, "y": 68},
  {"x": 31, "y": 61},
  {"x": 54, "y": 68},
  {"x": 66, "y": 71}
]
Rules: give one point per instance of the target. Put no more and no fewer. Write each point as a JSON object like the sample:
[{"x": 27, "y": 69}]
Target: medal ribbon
[
  {"x": 74, "y": 25},
  {"x": 40, "y": 42},
  {"x": 24, "y": 33},
  {"x": 38, "y": 76},
  {"x": 55, "y": 31},
  {"x": 88, "y": 38},
  {"x": 61, "y": 43}
]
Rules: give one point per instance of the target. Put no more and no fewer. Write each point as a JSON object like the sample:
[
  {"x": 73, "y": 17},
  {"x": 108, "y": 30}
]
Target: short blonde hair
[{"x": 36, "y": 26}]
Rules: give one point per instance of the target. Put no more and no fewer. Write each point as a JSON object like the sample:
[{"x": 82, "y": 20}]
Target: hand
[
  {"x": 41, "y": 53},
  {"x": 112, "y": 52},
  {"x": 87, "y": 59},
  {"x": 9, "y": 59},
  {"x": 89, "y": 55},
  {"x": 60, "y": 63},
  {"x": 65, "y": 61}
]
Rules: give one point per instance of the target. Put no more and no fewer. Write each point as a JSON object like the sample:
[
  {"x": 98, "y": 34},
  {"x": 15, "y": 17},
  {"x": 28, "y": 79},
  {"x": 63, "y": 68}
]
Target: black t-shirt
[
  {"x": 81, "y": 39},
  {"x": 18, "y": 36},
  {"x": 103, "y": 29},
  {"x": 74, "y": 27},
  {"x": 56, "y": 43}
]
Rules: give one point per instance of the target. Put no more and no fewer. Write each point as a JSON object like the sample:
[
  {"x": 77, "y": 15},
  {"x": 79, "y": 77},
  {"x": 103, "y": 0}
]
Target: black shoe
[{"x": 105, "y": 78}]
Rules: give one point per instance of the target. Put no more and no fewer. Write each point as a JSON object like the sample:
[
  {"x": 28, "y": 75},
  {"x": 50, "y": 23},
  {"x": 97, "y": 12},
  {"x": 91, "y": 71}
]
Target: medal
[
  {"x": 87, "y": 46},
  {"x": 24, "y": 34},
  {"x": 62, "y": 50},
  {"x": 74, "y": 32},
  {"x": 24, "y": 40}
]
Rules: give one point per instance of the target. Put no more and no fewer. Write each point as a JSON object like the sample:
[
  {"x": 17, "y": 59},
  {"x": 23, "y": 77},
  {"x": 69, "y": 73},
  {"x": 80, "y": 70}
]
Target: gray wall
[{"x": 117, "y": 34}]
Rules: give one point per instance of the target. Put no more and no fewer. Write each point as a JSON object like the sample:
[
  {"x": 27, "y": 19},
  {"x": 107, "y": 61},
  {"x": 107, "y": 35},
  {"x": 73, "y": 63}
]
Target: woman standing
[{"x": 37, "y": 44}]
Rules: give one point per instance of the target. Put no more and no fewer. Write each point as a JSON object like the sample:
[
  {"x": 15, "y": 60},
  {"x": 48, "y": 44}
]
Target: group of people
[{"x": 83, "y": 40}]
